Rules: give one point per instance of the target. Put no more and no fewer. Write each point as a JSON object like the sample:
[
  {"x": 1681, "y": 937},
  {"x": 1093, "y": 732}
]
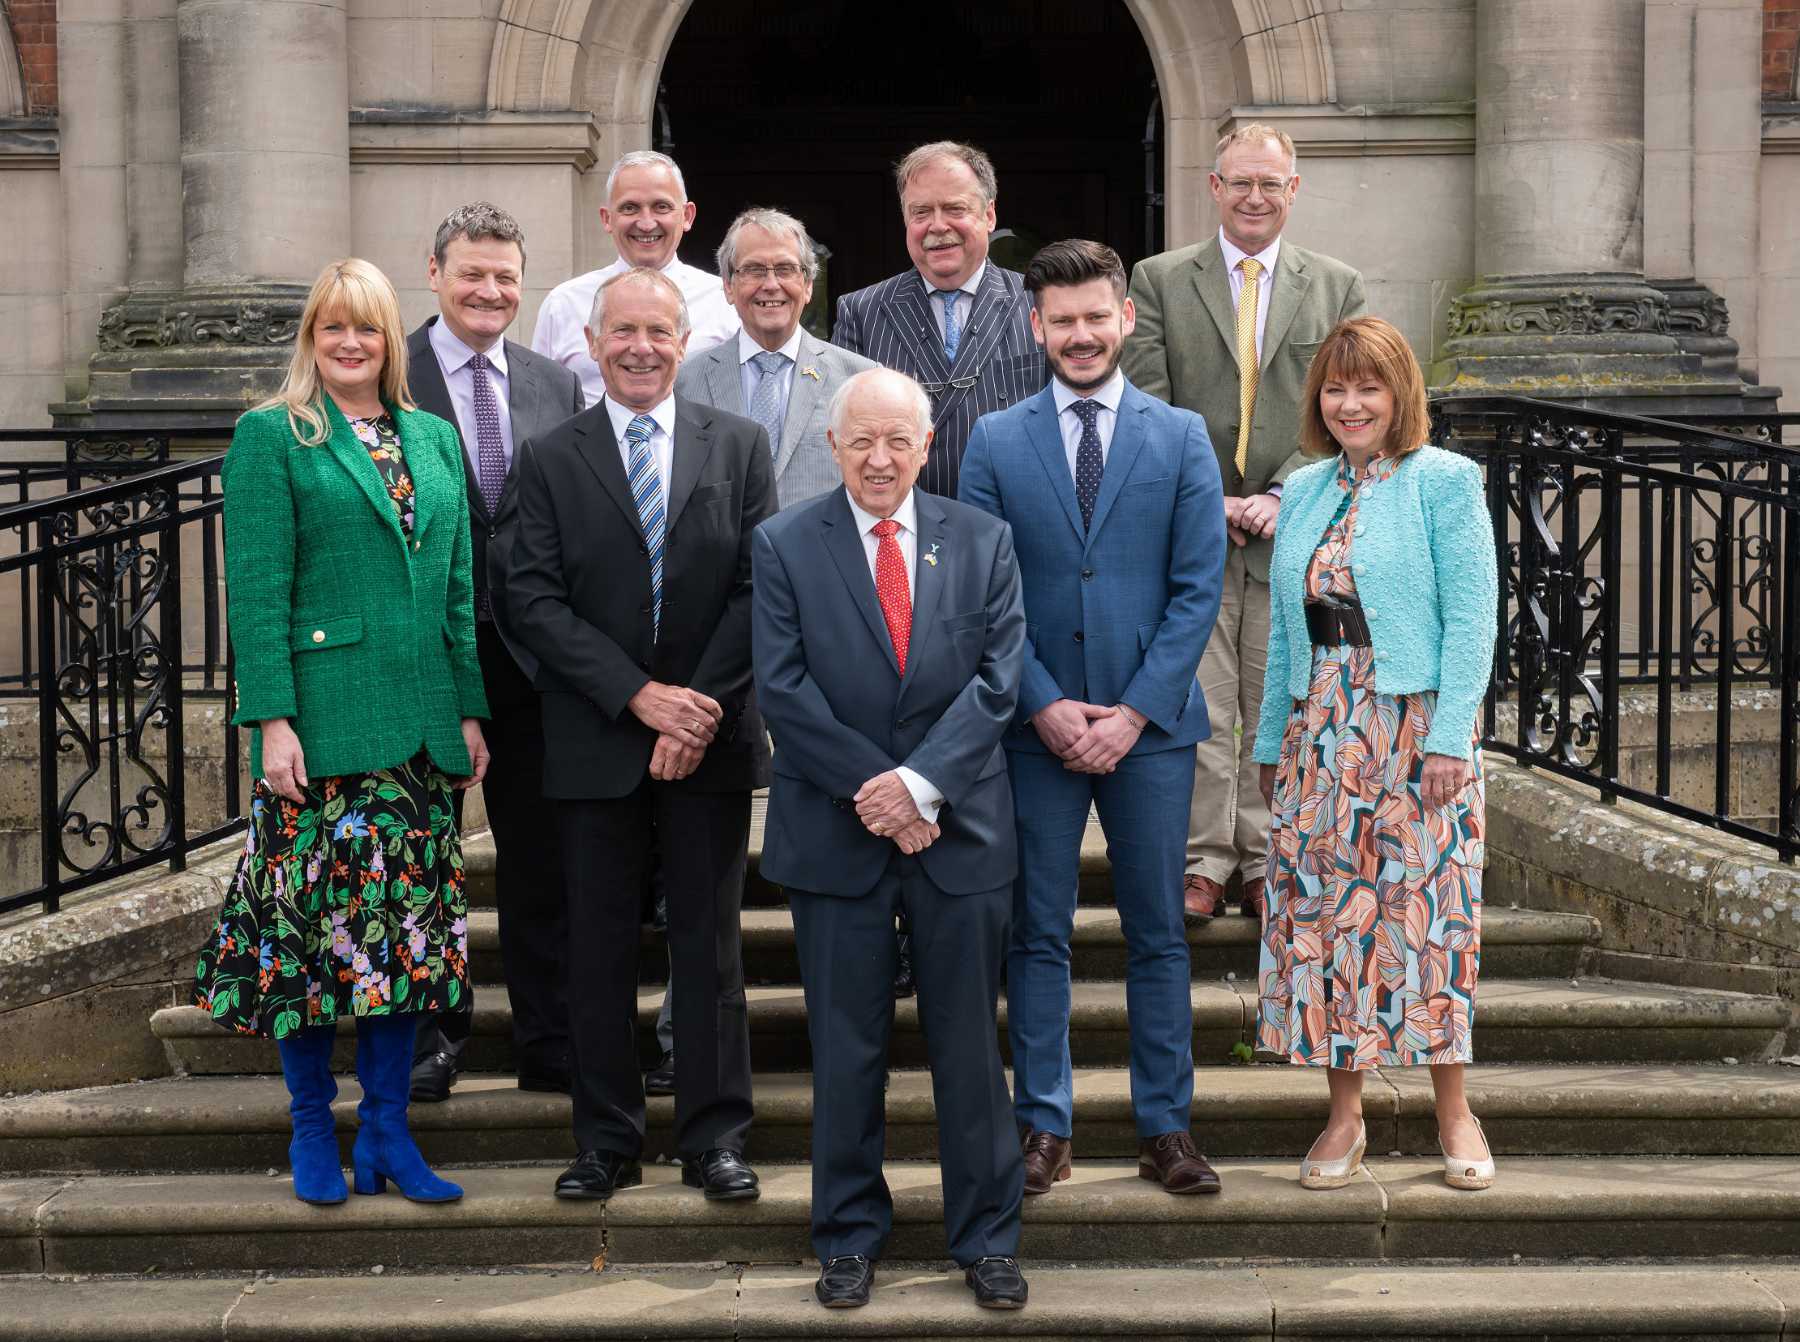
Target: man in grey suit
[
  {"x": 1228, "y": 328},
  {"x": 499, "y": 394},
  {"x": 774, "y": 372}
]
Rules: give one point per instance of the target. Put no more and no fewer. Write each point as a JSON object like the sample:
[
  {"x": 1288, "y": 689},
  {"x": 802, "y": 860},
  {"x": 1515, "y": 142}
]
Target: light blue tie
[
  {"x": 765, "y": 406},
  {"x": 952, "y": 335},
  {"x": 646, "y": 492}
]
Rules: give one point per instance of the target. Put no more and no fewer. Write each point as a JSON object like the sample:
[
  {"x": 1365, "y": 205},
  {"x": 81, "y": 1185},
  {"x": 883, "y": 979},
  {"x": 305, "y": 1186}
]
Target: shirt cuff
[
  {"x": 926, "y": 797},
  {"x": 1274, "y": 490}
]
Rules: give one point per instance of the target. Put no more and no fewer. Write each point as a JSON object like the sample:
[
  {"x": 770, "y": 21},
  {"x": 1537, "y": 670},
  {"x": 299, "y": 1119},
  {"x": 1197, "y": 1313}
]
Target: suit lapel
[
  {"x": 600, "y": 450},
  {"x": 724, "y": 379},
  {"x": 693, "y": 446},
  {"x": 846, "y": 549},
  {"x": 354, "y": 457},
  {"x": 803, "y": 395},
  {"x": 1121, "y": 455},
  {"x": 1292, "y": 280},
  {"x": 1046, "y": 436},
  {"x": 909, "y": 309},
  {"x": 421, "y": 467},
  {"x": 521, "y": 390},
  {"x": 1214, "y": 286},
  {"x": 928, "y": 582}
]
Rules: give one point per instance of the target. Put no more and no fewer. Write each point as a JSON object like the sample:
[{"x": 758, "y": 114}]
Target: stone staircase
[{"x": 1649, "y": 1185}]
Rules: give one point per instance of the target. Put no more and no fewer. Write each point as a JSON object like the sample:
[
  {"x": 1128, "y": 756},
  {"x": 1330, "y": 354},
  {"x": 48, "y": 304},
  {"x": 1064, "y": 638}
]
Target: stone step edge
[{"x": 1676, "y": 1299}]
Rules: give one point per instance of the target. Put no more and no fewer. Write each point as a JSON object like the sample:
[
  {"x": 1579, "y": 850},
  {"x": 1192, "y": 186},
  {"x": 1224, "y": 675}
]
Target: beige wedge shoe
[
  {"x": 1461, "y": 1172},
  {"x": 1334, "y": 1173}
]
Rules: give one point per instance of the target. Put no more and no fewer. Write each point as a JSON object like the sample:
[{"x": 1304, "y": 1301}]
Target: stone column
[
  {"x": 265, "y": 201},
  {"x": 1563, "y": 309}
]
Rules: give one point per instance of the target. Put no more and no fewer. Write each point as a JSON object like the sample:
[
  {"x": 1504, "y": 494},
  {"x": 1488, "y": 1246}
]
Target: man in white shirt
[{"x": 647, "y": 212}]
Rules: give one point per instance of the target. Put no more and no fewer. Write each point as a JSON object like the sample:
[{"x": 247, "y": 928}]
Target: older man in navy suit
[
  {"x": 1116, "y": 506},
  {"x": 887, "y": 634}
]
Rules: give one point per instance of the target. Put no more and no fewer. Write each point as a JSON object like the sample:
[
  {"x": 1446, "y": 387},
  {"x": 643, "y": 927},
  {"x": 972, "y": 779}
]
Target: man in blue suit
[
  {"x": 1119, "y": 520},
  {"x": 887, "y": 635}
]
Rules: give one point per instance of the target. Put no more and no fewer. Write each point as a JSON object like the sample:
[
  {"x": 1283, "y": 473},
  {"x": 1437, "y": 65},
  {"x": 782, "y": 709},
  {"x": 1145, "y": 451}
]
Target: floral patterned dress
[
  {"x": 1372, "y": 938},
  {"x": 351, "y": 903}
]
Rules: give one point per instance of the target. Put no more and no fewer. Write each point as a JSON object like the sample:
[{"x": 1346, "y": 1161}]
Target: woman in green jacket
[{"x": 351, "y": 616}]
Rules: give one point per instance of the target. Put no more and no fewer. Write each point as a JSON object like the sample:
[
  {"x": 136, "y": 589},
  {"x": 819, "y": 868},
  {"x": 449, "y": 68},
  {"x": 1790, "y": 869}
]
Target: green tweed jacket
[
  {"x": 362, "y": 637},
  {"x": 1184, "y": 351}
]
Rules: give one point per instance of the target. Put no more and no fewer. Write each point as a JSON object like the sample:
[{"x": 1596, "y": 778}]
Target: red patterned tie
[{"x": 891, "y": 587}]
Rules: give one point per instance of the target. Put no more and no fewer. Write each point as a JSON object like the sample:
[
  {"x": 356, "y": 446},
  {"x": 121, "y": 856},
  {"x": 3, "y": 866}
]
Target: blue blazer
[
  {"x": 841, "y": 712},
  {"x": 1122, "y": 612},
  {"x": 1426, "y": 574}
]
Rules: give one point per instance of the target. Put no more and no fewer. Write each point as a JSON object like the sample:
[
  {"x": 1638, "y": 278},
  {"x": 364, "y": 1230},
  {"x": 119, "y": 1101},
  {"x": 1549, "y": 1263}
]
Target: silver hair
[
  {"x": 645, "y": 158},
  {"x": 771, "y": 221},
  {"x": 937, "y": 151},
  {"x": 478, "y": 221},
  {"x": 840, "y": 399},
  {"x": 640, "y": 275}
]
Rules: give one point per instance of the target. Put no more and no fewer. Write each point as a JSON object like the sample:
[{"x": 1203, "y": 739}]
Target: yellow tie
[{"x": 1246, "y": 357}]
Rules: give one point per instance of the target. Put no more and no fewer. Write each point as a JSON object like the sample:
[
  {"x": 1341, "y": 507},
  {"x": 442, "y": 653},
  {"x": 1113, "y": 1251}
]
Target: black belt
[{"x": 1334, "y": 624}]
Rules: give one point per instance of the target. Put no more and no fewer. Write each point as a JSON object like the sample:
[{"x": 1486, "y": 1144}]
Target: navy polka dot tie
[
  {"x": 490, "y": 452},
  {"x": 1089, "y": 464}
]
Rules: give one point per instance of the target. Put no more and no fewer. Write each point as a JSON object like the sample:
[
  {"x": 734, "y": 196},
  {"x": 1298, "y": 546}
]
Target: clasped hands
[
  {"x": 685, "y": 722},
  {"x": 1253, "y": 515},
  {"x": 887, "y": 809},
  {"x": 1088, "y": 738}
]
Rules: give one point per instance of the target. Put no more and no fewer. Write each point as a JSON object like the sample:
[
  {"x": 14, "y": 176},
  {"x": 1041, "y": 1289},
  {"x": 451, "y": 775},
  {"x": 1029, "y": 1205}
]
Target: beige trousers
[{"x": 1228, "y": 824}]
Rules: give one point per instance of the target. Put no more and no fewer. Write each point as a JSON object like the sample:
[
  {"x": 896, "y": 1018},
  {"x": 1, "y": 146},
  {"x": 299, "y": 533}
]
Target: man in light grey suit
[
  {"x": 1228, "y": 328},
  {"x": 774, "y": 372}
]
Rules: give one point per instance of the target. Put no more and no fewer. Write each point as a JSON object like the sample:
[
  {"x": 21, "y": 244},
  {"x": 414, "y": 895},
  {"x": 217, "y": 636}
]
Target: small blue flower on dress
[{"x": 351, "y": 825}]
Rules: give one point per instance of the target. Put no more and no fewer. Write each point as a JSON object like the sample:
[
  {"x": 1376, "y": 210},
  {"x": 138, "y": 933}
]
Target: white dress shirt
[
  {"x": 560, "y": 333},
  {"x": 925, "y": 796},
  {"x": 662, "y": 442},
  {"x": 453, "y": 359},
  {"x": 1268, "y": 256},
  {"x": 1107, "y": 397},
  {"x": 748, "y": 349},
  {"x": 965, "y": 299}
]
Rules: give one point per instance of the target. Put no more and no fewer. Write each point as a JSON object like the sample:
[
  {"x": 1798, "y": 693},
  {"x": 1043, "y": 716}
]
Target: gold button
[
  {"x": 318, "y": 636},
  {"x": 415, "y": 546}
]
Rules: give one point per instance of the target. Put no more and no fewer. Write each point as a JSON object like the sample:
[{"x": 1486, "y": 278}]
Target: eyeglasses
[
  {"x": 960, "y": 383},
  {"x": 1239, "y": 187},
  {"x": 756, "y": 272}
]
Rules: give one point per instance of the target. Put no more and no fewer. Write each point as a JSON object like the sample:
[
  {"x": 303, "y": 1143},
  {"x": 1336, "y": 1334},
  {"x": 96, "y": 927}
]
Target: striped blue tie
[
  {"x": 952, "y": 333},
  {"x": 646, "y": 492}
]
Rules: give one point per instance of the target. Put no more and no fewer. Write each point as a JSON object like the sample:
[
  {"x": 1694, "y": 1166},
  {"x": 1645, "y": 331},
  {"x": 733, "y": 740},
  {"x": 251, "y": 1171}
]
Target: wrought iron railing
[
  {"x": 112, "y": 577},
  {"x": 1648, "y": 558}
]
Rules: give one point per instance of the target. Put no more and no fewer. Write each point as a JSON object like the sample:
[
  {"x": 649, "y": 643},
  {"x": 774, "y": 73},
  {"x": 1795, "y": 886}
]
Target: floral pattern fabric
[
  {"x": 382, "y": 437},
  {"x": 1372, "y": 938},
  {"x": 349, "y": 904}
]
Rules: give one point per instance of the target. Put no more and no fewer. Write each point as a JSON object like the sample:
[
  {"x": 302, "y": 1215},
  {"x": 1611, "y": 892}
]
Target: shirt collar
[
  {"x": 748, "y": 349},
  {"x": 1377, "y": 468},
  {"x": 1234, "y": 253},
  {"x": 621, "y": 416},
  {"x": 453, "y": 353},
  {"x": 970, "y": 286},
  {"x": 906, "y": 514},
  {"x": 1111, "y": 392}
]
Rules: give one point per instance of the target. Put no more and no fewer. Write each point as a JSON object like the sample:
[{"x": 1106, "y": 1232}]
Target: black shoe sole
[
  {"x": 1000, "y": 1304},
  {"x": 721, "y": 1195},
  {"x": 844, "y": 1304},
  {"x": 631, "y": 1180}
]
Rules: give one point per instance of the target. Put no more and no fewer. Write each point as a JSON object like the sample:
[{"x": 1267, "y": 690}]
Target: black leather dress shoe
[
  {"x": 844, "y": 1282},
  {"x": 997, "y": 1283},
  {"x": 556, "y": 1083},
  {"x": 434, "y": 1074},
  {"x": 597, "y": 1175},
  {"x": 660, "y": 1079},
  {"x": 723, "y": 1176},
  {"x": 904, "y": 983}
]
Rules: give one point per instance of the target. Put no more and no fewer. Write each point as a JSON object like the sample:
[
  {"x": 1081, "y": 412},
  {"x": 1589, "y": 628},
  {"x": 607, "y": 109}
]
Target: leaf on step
[{"x": 599, "y": 1262}]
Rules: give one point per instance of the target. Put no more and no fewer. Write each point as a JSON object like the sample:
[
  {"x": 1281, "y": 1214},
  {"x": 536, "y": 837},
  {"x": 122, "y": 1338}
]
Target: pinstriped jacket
[{"x": 997, "y": 359}]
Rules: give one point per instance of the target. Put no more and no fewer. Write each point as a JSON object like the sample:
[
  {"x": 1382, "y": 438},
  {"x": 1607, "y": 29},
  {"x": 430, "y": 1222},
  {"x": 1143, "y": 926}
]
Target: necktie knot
[
  {"x": 1087, "y": 410},
  {"x": 640, "y": 430},
  {"x": 479, "y": 361},
  {"x": 1251, "y": 268},
  {"x": 769, "y": 362},
  {"x": 886, "y": 528}
]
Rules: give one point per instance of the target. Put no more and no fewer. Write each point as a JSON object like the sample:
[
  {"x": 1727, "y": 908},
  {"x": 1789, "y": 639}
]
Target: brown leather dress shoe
[
  {"x": 1254, "y": 903},
  {"x": 1047, "y": 1160},
  {"x": 1201, "y": 899},
  {"x": 1171, "y": 1160}
]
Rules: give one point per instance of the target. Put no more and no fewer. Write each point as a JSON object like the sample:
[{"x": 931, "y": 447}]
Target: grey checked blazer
[
  {"x": 803, "y": 465},
  {"x": 997, "y": 359}
]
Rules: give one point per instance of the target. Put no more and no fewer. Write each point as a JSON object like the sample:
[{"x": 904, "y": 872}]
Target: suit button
[
  {"x": 1078, "y": 635},
  {"x": 1087, "y": 575},
  {"x": 643, "y": 549},
  {"x": 901, "y": 724},
  {"x": 416, "y": 547},
  {"x": 644, "y": 609},
  {"x": 318, "y": 636}
]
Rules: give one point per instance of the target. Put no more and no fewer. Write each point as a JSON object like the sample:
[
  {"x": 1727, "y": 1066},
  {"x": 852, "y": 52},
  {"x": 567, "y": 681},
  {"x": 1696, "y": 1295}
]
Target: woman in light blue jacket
[{"x": 1381, "y": 640}]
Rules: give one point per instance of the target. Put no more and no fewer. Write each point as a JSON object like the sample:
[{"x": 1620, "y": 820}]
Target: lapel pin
[
  {"x": 811, "y": 372},
  {"x": 931, "y": 554}
]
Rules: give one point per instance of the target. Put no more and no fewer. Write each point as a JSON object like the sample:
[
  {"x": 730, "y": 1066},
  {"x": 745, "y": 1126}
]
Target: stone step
[
  {"x": 1516, "y": 1020},
  {"x": 1394, "y": 1208},
  {"x": 1395, "y": 1302},
  {"x": 219, "y": 1124},
  {"x": 1515, "y": 943}
]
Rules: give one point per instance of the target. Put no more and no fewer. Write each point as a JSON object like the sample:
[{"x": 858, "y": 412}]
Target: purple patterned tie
[{"x": 490, "y": 453}]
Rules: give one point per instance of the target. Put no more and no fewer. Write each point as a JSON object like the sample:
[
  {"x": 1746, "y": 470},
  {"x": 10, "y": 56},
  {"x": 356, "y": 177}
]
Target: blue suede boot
[
  {"x": 313, "y": 1152},
  {"x": 384, "y": 1147}
]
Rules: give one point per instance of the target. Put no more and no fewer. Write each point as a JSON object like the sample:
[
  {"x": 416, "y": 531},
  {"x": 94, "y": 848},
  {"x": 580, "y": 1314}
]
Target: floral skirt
[
  {"x": 1372, "y": 937},
  {"x": 349, "y": 904}
]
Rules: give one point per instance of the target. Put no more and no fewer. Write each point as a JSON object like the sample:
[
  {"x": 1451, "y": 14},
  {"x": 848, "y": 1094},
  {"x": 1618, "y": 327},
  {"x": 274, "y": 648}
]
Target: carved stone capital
[{"x": 256, "y": 318}]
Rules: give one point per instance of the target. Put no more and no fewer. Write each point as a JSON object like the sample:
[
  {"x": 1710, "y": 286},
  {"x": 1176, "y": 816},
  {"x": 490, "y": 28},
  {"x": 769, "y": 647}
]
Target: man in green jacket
[{"x": 1228, "y": 328}]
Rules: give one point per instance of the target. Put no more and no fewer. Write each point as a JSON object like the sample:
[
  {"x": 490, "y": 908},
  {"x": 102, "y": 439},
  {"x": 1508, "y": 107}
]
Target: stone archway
[
  {"x": 12, "y": 74},
  {"x": 604, "y": 56}
]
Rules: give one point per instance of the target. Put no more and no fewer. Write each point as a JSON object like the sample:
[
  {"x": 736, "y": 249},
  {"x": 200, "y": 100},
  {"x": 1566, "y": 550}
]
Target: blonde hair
[
  {"x": 1367, "y": 347},
  {"x": 1257, "y": 134},
  {"x": 357, "y": 292}
]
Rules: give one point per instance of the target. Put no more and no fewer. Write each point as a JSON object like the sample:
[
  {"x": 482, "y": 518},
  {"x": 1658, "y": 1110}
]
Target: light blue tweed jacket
[{"x": 1424, "y": 563}]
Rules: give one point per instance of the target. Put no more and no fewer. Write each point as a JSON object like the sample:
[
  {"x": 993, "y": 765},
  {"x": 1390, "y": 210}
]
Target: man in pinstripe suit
[{"x": 957, "y": 323}]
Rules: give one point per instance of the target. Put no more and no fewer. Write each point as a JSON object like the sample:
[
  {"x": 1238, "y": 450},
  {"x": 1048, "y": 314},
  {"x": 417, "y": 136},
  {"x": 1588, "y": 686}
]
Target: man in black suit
[
  {"x": 498, "y": 394},
  {"x": 889, "y": 635},
  {"x": 629, "y": 582}
]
